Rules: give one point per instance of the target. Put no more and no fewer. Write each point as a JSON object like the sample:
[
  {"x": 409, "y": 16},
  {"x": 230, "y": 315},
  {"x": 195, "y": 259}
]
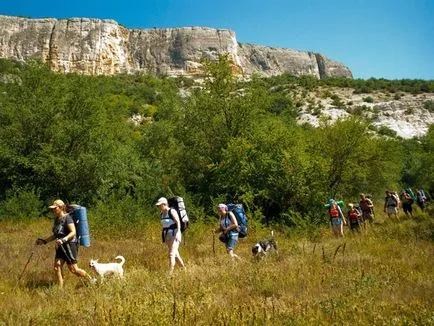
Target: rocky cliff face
[{"x": 94, "y": 46}]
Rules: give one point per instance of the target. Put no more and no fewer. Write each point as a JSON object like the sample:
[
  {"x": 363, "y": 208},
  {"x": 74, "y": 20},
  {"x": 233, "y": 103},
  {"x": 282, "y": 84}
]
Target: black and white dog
[{"x": 264, "y": 247}]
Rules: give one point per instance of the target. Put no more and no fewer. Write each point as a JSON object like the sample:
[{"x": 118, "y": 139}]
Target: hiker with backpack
[
  {"x": 171, "y": 232},
  {"x": 407, "y": 202},
  {"x": 64, "y": 235},
  {"x": 367, "y": 208},
  {"x": 391, "y": 205},
  {"x": 420, "y": 199},
  {"x": 354, "y": 217},
  {"x": 228, "y": 228},
  {"x": 337, "y": 218}
]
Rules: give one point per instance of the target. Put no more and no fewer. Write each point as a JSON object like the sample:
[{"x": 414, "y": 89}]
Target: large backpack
[
  {"x": 240, "y": 215},
  {"x": 79, "y": 216},
  {"x": 177, "y": 203}
]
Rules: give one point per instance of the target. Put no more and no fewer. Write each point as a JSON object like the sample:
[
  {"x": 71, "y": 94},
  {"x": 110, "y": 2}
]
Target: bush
[
  {"x": 21, "y": 204},
  {"x": 429, "y": 105},
  {"x": 368, "y": 99}
]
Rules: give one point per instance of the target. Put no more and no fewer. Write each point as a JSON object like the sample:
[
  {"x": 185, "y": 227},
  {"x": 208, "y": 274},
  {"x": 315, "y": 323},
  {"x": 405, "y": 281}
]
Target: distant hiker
[
  {"x": 391, "y": 203},
  {"x": 407, "y": 202},
  {"x": 171, "y": 233},
  {"x": 354, "y": 217},
  {"x": 337, "y": 219},
  {"x": 228, "y": 228},
  {"x": 64, "y": 235},
  {"x": 396, "y": 196},
  {"x": 420, "y": 199},
  {"x": 367, "y": 208}
]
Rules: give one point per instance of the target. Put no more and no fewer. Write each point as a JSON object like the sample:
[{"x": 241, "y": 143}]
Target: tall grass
[{"x": 382, "y": 277}]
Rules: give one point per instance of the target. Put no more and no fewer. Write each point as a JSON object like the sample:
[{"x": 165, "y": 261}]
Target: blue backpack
[{"x": 240, "y": 215}]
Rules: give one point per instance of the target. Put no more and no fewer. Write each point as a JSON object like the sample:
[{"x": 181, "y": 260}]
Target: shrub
[
  {"x": 21, "y": 204},
  {"x": 386, "y": 131},
  {"x": 409, "y": 111},
  {"x": 368, "y": 99},
  {"x": 429, "y": 105}
]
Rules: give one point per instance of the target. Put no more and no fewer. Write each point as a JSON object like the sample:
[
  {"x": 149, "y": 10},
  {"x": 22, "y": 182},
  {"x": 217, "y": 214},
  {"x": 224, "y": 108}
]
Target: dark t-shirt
[{"x": 60, "y": 227}]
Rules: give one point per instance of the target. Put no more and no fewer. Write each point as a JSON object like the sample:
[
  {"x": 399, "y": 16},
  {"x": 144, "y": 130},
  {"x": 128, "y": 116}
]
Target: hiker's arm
[
  {"x": 219, "y": 229},
  {"x": 175, "y": 217},
  {"x": 41, "y": 241},
  {"x": 342, "y": 215},
  {"x": 234, "y": 223}
]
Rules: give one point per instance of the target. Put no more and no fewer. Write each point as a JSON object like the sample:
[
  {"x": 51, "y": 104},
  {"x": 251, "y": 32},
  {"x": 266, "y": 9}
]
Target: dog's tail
[{"x": 122, "y": 259}]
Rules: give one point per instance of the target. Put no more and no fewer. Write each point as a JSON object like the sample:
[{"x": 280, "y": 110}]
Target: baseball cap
[
  {"x": 57, "y": 203},
  {"x": 161, "y": 201}
]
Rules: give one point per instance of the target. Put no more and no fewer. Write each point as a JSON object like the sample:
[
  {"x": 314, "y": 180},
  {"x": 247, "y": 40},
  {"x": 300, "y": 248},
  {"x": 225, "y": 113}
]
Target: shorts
[
  {"x": 367, "y": 216},
  {"x": 67, "y": 252},
  {"x": 407, "y": 207},
  {"x": 336, "y": 221},
  {"x": 392, "y": 210},
  {"x": 354, "y": 224},
  {"x": 232, "y": 240}
]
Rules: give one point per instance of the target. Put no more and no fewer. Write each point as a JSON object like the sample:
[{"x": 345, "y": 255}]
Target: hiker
[
  {"x": 337, "y": 219},
  {"x": 367, "y": 208},
  {"x": 398, "y": 201},
  {"x": 229, "y": 228},
  {"x": 64, "y": 235},
  {"x": 407, "y": 202},
  {"x": 391, "y": 204},
  {"x": 354, "y": 218},
  {"x": 171, "y": 233},
  {"x": 420, "y": 199}
]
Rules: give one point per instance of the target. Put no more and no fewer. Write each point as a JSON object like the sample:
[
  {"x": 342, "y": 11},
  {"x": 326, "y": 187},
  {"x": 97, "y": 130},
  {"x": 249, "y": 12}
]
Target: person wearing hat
[
  {"x": 171, "y": 233},
  {"x": 229, "y": 228},
  {"x": 64, "y": 236}
]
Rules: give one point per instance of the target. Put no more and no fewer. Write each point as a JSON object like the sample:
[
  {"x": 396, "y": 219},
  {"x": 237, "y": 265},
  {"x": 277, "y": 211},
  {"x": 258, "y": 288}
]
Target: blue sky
[{"x": 392, "y": 39}]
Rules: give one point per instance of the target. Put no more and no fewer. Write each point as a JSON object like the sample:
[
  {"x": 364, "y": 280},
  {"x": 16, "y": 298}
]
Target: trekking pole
[
  {"x": 213, "y": 243},
  {"x": 25, "y": 266}
]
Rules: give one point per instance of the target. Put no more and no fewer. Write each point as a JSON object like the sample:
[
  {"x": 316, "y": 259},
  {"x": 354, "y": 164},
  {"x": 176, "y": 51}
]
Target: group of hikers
[
  {"x": 64, "y": 232},
  {"x": 357, "y": 215},
  {"x": 64, "y": 235}
]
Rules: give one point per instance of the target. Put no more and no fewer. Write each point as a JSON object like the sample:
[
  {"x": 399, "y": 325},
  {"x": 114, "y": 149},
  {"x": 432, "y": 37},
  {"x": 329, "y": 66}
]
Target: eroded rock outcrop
[{"x": 95, "y": 46}]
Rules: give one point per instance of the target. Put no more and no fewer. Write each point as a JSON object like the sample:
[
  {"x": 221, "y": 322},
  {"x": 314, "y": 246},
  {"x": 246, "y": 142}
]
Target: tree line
[{"x": 119, "y": 142}]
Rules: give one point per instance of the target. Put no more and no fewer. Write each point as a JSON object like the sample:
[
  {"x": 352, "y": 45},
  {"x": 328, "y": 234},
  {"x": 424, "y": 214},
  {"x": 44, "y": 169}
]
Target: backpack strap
[{"x": 170, "y": 214}]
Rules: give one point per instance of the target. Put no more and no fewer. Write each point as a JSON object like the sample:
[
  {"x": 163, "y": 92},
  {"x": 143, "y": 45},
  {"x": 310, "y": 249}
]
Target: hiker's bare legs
[
  {"x": 74, "y": 269},
  {"x": 338, "y": 230},
  {"x": 58, "y": 266},
  {"x": 231, "y": 253}
]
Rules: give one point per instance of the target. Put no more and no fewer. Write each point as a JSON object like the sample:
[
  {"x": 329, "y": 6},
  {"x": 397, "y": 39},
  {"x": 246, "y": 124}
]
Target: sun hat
[
  {"x": 350, "y": 205},
  {"x": 221, "y": 207},
  {"x": 57, "y": 203},
  {"x": 161, "y": 201}
]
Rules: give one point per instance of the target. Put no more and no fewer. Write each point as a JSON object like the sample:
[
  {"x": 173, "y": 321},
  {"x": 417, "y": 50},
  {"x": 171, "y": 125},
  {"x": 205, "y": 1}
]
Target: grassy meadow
[{"x": 382, "y": 277}]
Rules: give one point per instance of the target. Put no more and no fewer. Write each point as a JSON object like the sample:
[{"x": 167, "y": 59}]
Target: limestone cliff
[{"x": 94, "y": 46}]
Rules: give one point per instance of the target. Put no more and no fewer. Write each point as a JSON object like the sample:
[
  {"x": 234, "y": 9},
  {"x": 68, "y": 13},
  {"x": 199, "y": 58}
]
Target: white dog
[{"x": 110, "y": 268}]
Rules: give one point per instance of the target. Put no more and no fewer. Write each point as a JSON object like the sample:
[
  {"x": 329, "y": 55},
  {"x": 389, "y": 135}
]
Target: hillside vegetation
[{"x": 116, "y": 144}]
